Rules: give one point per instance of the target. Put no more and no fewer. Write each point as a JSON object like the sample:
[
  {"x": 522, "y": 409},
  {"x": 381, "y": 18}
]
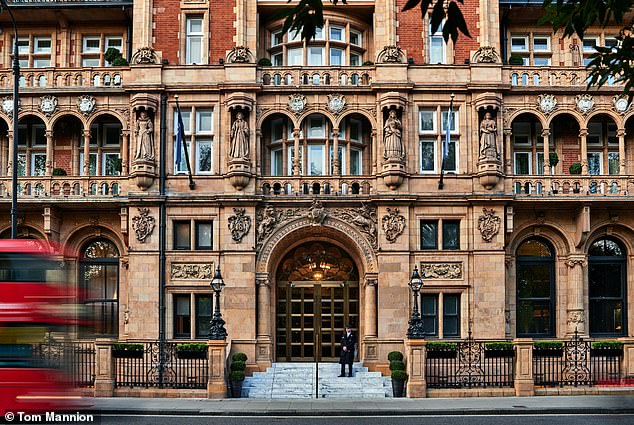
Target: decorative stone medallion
[
  {"x": 486, "y": 54},
  {"x": 390, "y": 54},
  {"x": 143, "y": 224},
  {"x": 7, "y": 105},
  {"x": 86, "y": 104},
  {"x": 336, "y": 103},
  {"x": 621, "y": 104},
  {"x": 239, "y": 224},
  {"x": 393, "y": 224},
  {"x": 584, "y": 102},
  {"x": 239, "y": 54},
  {"x": 546, "y": 103},
  {"x": 145, "y": 55},
  {"x": 48, "y": 105},
  {"x": 488, "y": 224},
  {"x": 296, "y": 103}
]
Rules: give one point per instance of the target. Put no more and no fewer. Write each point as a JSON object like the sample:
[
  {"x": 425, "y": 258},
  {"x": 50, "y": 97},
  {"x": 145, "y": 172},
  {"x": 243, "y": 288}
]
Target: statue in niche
[
  {"x": 392, "y": 139},
  {"x": 239, "y": 138},
  {"x": 145, "y": 137},
  {"x": 488, "y": 138}
]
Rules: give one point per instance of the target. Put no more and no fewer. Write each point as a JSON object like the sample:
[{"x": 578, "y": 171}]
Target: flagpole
[
  {"x": 181, "y": 134},
  {"x": 445, "y": 146}
]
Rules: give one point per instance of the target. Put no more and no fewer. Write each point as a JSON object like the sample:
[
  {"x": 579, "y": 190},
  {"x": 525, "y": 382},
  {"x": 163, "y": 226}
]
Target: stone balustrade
[
  {"x": 65, "y": 77},
  {"x": 316, "y": 185},
  {"x": 66, "y": 187},
  {"x": 316, "y": 76},
  {"x": 570, "y": 185},
  {"x": 531, "y": 76}
]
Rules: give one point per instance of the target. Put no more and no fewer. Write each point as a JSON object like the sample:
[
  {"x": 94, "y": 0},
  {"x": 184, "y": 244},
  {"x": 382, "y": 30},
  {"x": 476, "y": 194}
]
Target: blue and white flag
[
  {"x": 180, "y": 136},
  {"x": 445, "y": 147}
]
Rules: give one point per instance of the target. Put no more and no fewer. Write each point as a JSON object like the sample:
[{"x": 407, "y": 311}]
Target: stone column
[
  {"x": 627, "y": 363},
  {"x": 10, "y": 157},
  {"x": 583, "y": 133},
  {"x": 374, "y": 150},
  {"x": 217, "y": 358},
  {"x": 50, "y": 155},
  {"x": 296, "y": 161},
  {"x": 370, "y": 307},
  {"x": 416, "y": 356},
  {"x": 86, "y": 163},
  {"x": 258, "y": 152},
  {"x": 524, "y": 385},
  {"x": 264, "y": 331},
  {"x": 546, "y": 137},
  {"x": 104, "y": 372},
  {"x": 335, "y": 150},
  {"x": 576, "y": 313},
  {"x": 508, "y": 159},
  {"x": 125, "y": 151},
  {"x": 621, "y": 135}
]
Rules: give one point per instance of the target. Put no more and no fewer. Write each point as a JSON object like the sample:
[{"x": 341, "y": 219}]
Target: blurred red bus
[{"x": 36, "y": 301}]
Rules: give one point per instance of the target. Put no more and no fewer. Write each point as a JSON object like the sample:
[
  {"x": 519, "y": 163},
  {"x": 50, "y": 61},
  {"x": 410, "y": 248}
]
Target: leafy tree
[{"x": 572, "y": 16}]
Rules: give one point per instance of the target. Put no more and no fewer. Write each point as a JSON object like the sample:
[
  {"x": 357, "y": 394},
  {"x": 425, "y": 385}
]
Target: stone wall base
[{"x": 159, "y": 393}]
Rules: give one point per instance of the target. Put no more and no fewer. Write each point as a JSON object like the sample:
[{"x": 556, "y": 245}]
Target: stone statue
[
  {"x": 239, "y": 138},
  {"x": 145, "y": 137},
  {"x": 392, "y": 139},
  {"x": 488, "y": 138}
]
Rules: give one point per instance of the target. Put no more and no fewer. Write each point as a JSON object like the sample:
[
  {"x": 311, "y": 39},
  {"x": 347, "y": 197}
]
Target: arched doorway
[
  {"x": 317, "y": 294},
  {"x": 607, "y": 288}
]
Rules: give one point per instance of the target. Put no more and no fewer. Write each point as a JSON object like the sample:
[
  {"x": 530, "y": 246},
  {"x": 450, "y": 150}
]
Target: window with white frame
[
  {"x": 104, "y": 150},
  {"x": 534, "y": 48},
  {"x": 603, "y": 147},
  {"x": 437, "y": 46},
  {"x": 432, "y": 140},
  {"x": 592, "y": 41},
  {"x": 528, "y": 150},
  {"x": 35, "y": 51},
  {"x": 194, "y": 40},
  {"x": 31, "y": 149},
  {"x": 95, "y": 46},
  {"x": 198, "y": 125}
]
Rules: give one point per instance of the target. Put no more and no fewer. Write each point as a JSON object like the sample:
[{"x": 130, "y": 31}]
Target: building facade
[{"x": 315, "y": 169}]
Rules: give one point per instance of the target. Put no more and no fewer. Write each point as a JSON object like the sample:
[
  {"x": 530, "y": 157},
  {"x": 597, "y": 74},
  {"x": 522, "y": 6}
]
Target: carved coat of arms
[
  {"x": 546, "y": 103},
  {"x": 393, "y": 224},
  {"x": 239, "y": 224},
  {"x": 317, "y": 213},
  {"x": 488, "y": 224},
  {"x": 143, "y": 224}
]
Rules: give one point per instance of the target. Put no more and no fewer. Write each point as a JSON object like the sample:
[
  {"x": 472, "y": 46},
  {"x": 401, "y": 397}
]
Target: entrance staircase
[{"x": 297, "y": 380}]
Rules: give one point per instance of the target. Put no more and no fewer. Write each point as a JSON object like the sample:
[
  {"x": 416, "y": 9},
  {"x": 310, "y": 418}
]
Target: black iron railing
[
  {"x": 576, "y": 363},
  {"x": 75, "y": 358},
  {"x": 179, "y": 370},
  {"x": 468, "y": 364}
]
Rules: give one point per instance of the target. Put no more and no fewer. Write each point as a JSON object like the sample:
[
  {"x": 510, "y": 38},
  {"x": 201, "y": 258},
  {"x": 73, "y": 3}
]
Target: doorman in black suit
[{"x": 348, "y": 343}]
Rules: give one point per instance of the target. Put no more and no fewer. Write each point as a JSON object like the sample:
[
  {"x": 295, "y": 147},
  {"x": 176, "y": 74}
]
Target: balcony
[
  {"x": 300, "y": 76},
  {"x": 107, "y": 77},
  {"x": 564, "y": 186},
  {"x": 316, "y": 185},
  {"x": 69, "y": 3},
  {"x": 66, "y": 187}
]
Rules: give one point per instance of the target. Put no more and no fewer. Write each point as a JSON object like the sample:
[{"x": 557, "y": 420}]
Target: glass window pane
[
  {"x": 427, "y": 121},
  {"x": 355, "y": 38},
  {"x": 316, "y": 160},
  {"x": 450, "y": 162},
  {"x": 186, "y": 116},
  {"x": 182, "y": 237},
  {"x": 194, "y": 49},
  {"x": 315, "y": 56},
  {"x": 336, "y": 57},
  {"x": 436, "y": 50},
  {"x": 534, "y": 248},
  {"x": 194, "y": 25},
  {"x": 541, "y": 61},
  {"x": 519, "y": 44},
  {"x": 295, "y": 57},
  {"x": 92, "y": 44},
  {"x": 541, "y": 44},
  {"x": 203, "y": 156},
  {"x": 355, "y": 162},
  {"x": 429, "y": 234},
  {"x": 451, "y": 316},
  {"x": 450, "y": 234},
  {"x": 23, "y": 45},
  {"x": 533, "y": 318},
  {"x": 427, "y": 153},
  {"x": 533, "y": 280},
  {"x": 111, "y": 164},
  {"x": 203, "y": 315},
  {"x": 204, "y": 234},
  {"x": 594, "y": 163},
  {"x": 429, "y": 314},
  {"x": 204, "y": 120},
  {"x": 277, "y": 162},
  {"x": 336, "y": 33},
  {"x": 182, "y": 316},
  {"x": 522, "y": 163},
  {"x": 613, "y": 163},
  {"x": 90, "y": 62},
  {"x": 38, "y": 165}
]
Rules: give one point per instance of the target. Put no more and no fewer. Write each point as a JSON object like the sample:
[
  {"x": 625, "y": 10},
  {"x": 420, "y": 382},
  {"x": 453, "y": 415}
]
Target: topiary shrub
[
  {"x": 575, "y": 168},
  {"x": 604, "y": 345},
  {"x": 194, "y": 346},
  {"x": 548, "y": 345},
  {"x": 264, "y": 62},
  {"x": 399, "y": 375},
  {"x": 237, "y": 376},
  {"x": 395, "y": 355},
  {"x": 59, "y": 172},
  {"x": 437, "y": 346},
  {"x": 498, "y": 346},
  {"x": 119, "y": 61},
  {"x": 397, "y": 365},
  {"x": 368, "y": 63},
  {"x": 238, "y": 366},
  {"x": 114, "y": 57},
  {"x": 553, "y": 158},
  {"x": 516, "y": 60},
  {"x": 239, "y": 357}
]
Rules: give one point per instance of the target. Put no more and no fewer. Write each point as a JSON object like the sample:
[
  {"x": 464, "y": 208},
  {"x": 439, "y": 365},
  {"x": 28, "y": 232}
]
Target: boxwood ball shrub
[
  {"x": 239, "y": 357},
  {"x": 237, "y": 375},
  {"x": 498, "y": 346},
  {"x": 397, "y": 365},
  {"x": 238, "y": 366},
  {"x": 399, "y": 375},
  {"x": 395, "y": 355}
]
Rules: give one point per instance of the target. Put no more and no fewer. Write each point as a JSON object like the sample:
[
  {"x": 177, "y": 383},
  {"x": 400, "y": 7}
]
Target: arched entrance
[{"x": 317, "y": 295}]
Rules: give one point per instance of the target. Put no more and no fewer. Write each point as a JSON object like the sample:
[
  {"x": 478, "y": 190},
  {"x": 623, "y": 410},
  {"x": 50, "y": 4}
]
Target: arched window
[
  {"x": 99, "y": 288},
  {"x": 535, "y": 289},
  {"x": 606, "y": 280}
]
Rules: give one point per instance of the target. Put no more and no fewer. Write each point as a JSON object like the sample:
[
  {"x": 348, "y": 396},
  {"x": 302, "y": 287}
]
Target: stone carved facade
[
  {"x": 488, "y": 224},
  {"x": 486, "y": 54},
  {"x": 441, "y": 270},
  {"x": 143, "y": 224},
  {"x": 145, "y": 55},
  {"x": 239, "y": 54},
  {"x": 393, "y": 224},
  {"x": 191, "y": 271},
  {"x": 239, "y": 224},
  {"x": 390, "y": 54}
]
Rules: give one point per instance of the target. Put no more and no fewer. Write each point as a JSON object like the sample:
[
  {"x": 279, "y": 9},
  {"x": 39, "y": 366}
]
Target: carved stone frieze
[
  {"x": 317, "y": 213},
  {"x": 145, "y": 55},
  {"x": 393, "y": 224},
  {"x": 268, "y": 218},
  {"x": 486, "y": 54},
  {"x": 575, "y": 317},
  {"x": 365, "y": 219},
  {"x": 239, "y": 224},
  {"x": 203, "y": 271},
  {"x": 390, "y": 54},
  {"x": 488, "y": 224},
  {"x": 441, "y": 270},
  {"x": 239, "y": 54},
  {"x": 143, "y": 224},
  {"x": 574, "y": 261}
]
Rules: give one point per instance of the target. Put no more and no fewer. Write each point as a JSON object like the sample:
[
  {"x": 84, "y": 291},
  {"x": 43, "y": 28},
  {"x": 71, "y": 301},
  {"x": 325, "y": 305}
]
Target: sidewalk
[{"x": 367, "y": 407}]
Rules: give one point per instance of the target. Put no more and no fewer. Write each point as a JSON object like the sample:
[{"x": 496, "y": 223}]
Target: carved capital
[
  {"x": 576, "y": 260},
  {"x": 583, "y": 132},
  {"x": 546, "y": 132},
  {"x": 371, "y": 281}
]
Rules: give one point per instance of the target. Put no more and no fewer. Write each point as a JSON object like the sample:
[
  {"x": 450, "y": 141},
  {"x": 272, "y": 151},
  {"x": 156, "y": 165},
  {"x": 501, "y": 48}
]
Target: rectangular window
[
  {"x": 92, "y": 166},
  {"x": 204, "y": 121},
  {"x": 315, "y": 56},
  {"x": 295, "y": 35},
  {"x": 541, "y": 43},
  {"x": 194, "y": 46},
  {"x": 204, "y": 156},
  {"x": 22, "y": 165},
  {"x": 295, "y": 57},
  {"x": 590, "y": 43},
  {"x": 181, "y": 167},
  {"x": 42, "y": 45},
  {"x": 278, "y": 59},
  {"x": 277, "y": 162},
  {"x": 451, "y": 234},
  {"x": 337, "y": 57},
  {"x": 111, "y": 134},
  {"x": 521, "y": 132},
  {"x": 182, "y": 235},
  {"x": 23, "y": 46},
  {"x": 316, "y": 128},
  {"x": 595, "y": 163},
  {"x": 41, "y": 63},
  {"x": 429, "y": 314},
  {"x": 427, "y": 121},
  {"x": 427, "y": 156},
  {"x": 437, "y": 46},
  {"x": 277, "y": 37},
  {"x": 203, "y": 315},
  {"x": 355, "y": 162},
  {"x": 187, "y": 123},
  {"x": 111, "y": 164},
  {"x": 319, "y": 33},
  {"x": 522, "y": 163},
  {"x": 451, "y": 316},
  {"x": 356, "y": 38},
  {"x": 355, "y": 59},
  {"x": 450, "y": 162},
  {"x": 90, "y": 62},
  {"x": 519, "y": 43},
  {"x": 429, "y": 234},
  {"x": 38, "y": 164},
  {"x": 595, "y": 134},
  {"x": 612, "y": 138},
  {"x": 454, "y": 121},
  {"x": 91, "y": 44},
  {"x": 204, "y": 235},
  {"x": 355, "y": 130},
  {"x": 337, "y": 34},
  {"x": 541, "y": 61},
  {"x": 540, "y": 163},
  {"x": 114, "y": 42},
  {"x": 182, "y": 316},
  {"x": 316, "y": 160},
  {"x": 613, "y": 163}
]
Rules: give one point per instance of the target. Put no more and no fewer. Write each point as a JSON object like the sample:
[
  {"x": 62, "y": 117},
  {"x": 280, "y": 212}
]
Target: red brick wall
[
  {"x": 62, "y": 160},
  {"x": 167, "y": 26},
  {"x": 566, "y": 135},
  {"x": 410, "y": 30}
]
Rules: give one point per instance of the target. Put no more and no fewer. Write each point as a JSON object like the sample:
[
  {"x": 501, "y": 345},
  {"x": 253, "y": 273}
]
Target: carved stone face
[
  {"x": 487, "y": 116},
  {"x": 143, "y": 115},
  {"x": 239, "y": 116},
  {"x": 392, "y": 113}
]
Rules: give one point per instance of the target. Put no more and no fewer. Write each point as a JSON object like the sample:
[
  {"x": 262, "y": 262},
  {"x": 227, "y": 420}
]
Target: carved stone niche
[
  {"x": 144, "y": 130},
  {"x": 240, "y": 105},
  {"x": 489, "y": 139},
  {"x": 393, "y": 143}
]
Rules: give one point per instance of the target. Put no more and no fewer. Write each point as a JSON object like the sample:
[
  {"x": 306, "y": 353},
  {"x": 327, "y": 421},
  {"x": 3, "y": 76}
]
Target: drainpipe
[
  {"x": 505, "y": 25},
  {"x": 129, "y": 43},
  {"x": 162, "y": 220}
]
